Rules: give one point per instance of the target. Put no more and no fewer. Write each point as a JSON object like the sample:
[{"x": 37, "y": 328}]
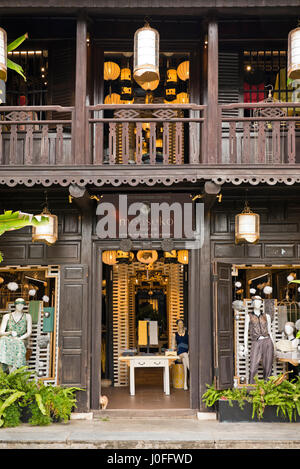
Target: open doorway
[{"x": 144, "y": 295}]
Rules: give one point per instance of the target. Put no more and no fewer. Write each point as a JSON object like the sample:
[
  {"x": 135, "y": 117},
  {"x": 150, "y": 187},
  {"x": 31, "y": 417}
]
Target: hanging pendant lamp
[
  {"x": 46, "y": 233},
  {"x": 183, "y": 70},
  {"x": 111, "y": 71},
  {"x": 247, "y": 226},
  {"x": 146, "y": 56},
  {"x": 3, "y": 54},
  {"x": 171, "y": 85},
  {"x": 294, "y": 54}
]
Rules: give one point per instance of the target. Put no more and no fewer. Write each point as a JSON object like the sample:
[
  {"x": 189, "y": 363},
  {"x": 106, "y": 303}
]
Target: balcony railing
[
  {"x": 147, "y": 134},
  {"x": 36, "y": 135},
  {"x": 262, "y": 133}
]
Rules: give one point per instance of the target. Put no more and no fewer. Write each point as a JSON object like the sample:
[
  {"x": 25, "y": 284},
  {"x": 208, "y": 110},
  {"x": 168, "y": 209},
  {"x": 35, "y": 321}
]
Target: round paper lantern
[
  {"x": 147, "y": 257},
  {"x": 183, "y": 256},
  {"x": 170, "y": 256},
  {"x": 111, "y": 71},
  {"x": 294, "y": 54},
  {"x": 109, "y": 257},
  {"x": 247, "y": 226},
  {"x": 113, "y": 98},
  {"x": 146, "y": 56},
  {"x": 183, "y": 70},
  {"x": 46, "y": 233},
  {"x": 183, "y": 98}
]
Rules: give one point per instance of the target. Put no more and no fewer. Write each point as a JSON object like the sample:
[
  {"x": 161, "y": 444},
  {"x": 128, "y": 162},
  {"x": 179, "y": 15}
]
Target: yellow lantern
[
  {"x": 147, "y": 257},
  {"x": 150, "y": 85},
  {"x": 247, "y": 226},
  {"x": 170, "y": 256},
  {"x": 124, "y": 257},
  {"x": 183, "y": 256},
  {"x": 113, "y": 98},
  {"x": 46, "y": 233},
  {"x": 111, "y": 71},
  {"x": 183, "y": 98},
  {"x": 183, "y": 70},
  {"x": 146, "y": 56},
  {"x": 109, "y": 257},
  {"x": 3, "y": 54},
  {"x": 294, "y": 54}
]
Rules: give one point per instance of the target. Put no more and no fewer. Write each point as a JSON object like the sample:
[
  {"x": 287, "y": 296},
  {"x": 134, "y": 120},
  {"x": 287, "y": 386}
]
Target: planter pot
[{"x": 226, "y": 413}]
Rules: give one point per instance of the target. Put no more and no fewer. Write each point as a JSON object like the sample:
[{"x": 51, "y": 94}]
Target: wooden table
[{"x": 149, "y": 361}]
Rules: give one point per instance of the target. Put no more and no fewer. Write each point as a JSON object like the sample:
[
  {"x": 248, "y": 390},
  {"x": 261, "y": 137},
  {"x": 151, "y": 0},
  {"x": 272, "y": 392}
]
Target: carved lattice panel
[
  {"x": 175, "y": 302},
  {"x": 242, "y": 363}
]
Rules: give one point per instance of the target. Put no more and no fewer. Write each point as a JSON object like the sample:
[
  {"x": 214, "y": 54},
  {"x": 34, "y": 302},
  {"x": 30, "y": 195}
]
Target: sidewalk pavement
[{"x": 152, "y": 433}]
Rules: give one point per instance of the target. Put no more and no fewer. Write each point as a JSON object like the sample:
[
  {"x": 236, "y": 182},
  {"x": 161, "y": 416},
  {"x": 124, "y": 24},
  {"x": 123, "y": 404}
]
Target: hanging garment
[
  {"x": 12, "y": 349},
  {"x": 142, "y": 333},
  {"x": 34, "y": 309},
  {"x": 153, "y": 334},
  {"x": 282, "y": 317},
  {"x": 182, "y": 342},
  {"x": 270, "y": 307},
  {"x": 48, "y": 322},
  {"x": 261, "y": 351}
]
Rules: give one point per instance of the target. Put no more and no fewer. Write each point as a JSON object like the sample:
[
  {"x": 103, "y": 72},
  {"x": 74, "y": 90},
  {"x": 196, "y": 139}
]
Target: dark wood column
[
  {"x": 212, "y": 93},
  {"x": 79, "y": 129}
]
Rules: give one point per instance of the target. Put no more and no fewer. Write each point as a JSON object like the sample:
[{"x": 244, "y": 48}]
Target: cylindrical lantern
[
  {"x": 247, "y": 226},
  {"x": 126, "y": 85},
  {"x": 183, "y": 256},
  {"x": 109, "y": 257},
  {"x": 3, "y": 54},
  {"x": 46, "y": 233},
  {"x": 171, "y": 85},
  {"x": 113, "y": 98},
  {"x": 111, "y": 71},
  {"x": 294, "y": 54},
  {"x": 183, "y": 70},
  {"x": 146, "y": 55}
]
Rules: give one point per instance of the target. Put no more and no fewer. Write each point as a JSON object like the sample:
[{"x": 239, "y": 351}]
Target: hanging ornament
[
  {"x": 150, "y": 85},
  {"x": 183, "y": 256},
  {"x": 294, "y": 54},
  {"x": 183, "y": 70},
  {"x": 32, "y": 292},
  {"x": 109, "y": 257},
  {"x": 12, "y": 286},
  {"x": 113, "y": 98},
  {"x": 126, "y": 85},
  {"x": 46, "y": 299},
  {"x": 111, "y": 71},
  {"x": 124, "y": 257},
  {"x": 182, "y": 98},
  {"x": 247, "y": 226},
  {"x": 252, "y": 291},
  {"x": 146, "y": 56},
  {"x": 171, "y": 85},
  {"x": 267, "y": 290}
]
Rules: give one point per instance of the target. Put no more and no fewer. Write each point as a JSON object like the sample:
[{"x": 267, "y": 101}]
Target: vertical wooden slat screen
[{"x": 175, "y": 299}]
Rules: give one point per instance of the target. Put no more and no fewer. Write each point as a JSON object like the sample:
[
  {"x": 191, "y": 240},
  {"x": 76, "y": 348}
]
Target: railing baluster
[
  {"x": 232, "y": 143},
  {"x": 112, "y": 143},
  {"x": 178, "y": 143},
  {"x": 28, "y": 144},
  {"x": 276, "y": 142},
  {"x": 291, "y": 143},
  {"x": 139, "y": 143},
  {"x": 245, "y": 158},
  {"x": 13, "y": 145},
  {"x": 261, "y": 142},
  {"x": 59, "y": 144},
  {"x": 1, "y": 146},
  {"x": 45, "y": 145},
  {"x": 125, "y": 142},
  {"x": 166, "y": 142},
  {"x": 98, "y": 147},
  {"x": 152, "y": 144}
]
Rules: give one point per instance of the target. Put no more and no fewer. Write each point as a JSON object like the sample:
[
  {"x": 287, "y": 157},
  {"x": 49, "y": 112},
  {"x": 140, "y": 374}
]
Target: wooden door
[
  {"x": 73, "y": 327},
  {"x": 223, "y": 325}
]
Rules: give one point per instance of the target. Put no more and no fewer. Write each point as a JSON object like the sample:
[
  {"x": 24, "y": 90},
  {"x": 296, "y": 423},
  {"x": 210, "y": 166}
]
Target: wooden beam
[
  {"x": 213, "y": 129},
  {"x": 79, "y": 128}
]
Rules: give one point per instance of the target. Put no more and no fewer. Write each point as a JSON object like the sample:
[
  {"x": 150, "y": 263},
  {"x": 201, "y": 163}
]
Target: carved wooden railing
[
  {"x": 261, "y": 133},
  {"x": 147, "y": 134},
  {"x": 36, "y": 135}
]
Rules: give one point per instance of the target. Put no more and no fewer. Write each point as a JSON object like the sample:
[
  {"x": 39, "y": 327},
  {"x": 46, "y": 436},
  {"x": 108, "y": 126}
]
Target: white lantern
[
  {"x": 246, "y": 226},
  {"x": 294, "y": 54},
  {"x": 3, "y": 54},
  {"x": 146, "y": 55},
  {"x": 47, "y": 233}
]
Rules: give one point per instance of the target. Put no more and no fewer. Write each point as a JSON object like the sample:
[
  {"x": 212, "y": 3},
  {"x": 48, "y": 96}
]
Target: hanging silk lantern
[
  {"x": 113, "y": 98},
  {"x": 126, "y": 84},
  {"x": 183, "y": 70},
  {"x": 171, "y": 85},
  {"x": 170, "y": 256},
  {"x": 109, "y": 257},
  {"x": 294, "y": 54},
  {"x": 111, "y": 71},
  {"x": 3, "y": 54},
  {"x": 146, "y": 56},
  {"x": 183, "y": 256},
  {"x": 46, "y": 233},
  {"x": 182, "y": 98},
  {"x": 246, "y": 226}
]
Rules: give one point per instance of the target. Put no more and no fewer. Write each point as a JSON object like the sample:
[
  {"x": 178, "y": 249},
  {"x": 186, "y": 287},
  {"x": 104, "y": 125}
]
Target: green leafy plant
[
  {"x": 276, "y": 391},
  {"x": 12, "y": 46},
  {"x": 25, "y": 399}
]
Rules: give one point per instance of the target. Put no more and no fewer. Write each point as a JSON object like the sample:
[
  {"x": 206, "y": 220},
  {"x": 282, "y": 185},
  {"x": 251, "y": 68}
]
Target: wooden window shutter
[
  {"x": 223, "y": 324},
  {"x": 229, "y": 81},
  {"x": 73, "y": 325}
]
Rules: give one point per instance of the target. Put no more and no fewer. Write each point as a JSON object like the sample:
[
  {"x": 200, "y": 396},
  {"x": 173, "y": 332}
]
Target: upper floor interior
[{"x": 223, "y": 96}]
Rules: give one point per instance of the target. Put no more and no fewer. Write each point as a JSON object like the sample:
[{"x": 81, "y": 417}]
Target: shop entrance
[
  {"x": 144, "y": 294},
  {"x": 236, "y": 285}
]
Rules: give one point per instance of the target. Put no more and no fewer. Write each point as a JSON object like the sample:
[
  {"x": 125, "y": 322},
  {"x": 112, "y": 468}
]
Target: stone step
[{"x": 145, "y": 413}]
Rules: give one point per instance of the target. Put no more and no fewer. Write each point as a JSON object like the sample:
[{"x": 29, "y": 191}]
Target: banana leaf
[
  {"x": 13, "y": 45},
  {"x": 295, "y": 281},
  {"x": 16, "y": 67},
  {"x": 10, "y": 220}
]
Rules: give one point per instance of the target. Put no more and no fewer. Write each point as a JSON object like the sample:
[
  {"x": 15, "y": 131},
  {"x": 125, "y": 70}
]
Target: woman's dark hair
[{"x": 179, "y": 320}]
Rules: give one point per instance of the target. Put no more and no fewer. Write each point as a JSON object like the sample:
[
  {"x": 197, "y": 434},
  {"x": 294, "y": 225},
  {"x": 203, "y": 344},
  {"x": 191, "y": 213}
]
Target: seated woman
[{"x": 181, "y": 344}]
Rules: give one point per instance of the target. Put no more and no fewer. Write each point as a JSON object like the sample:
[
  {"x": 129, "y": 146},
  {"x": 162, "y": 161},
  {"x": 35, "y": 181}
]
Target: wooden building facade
[{"x": 231, "y": 139}]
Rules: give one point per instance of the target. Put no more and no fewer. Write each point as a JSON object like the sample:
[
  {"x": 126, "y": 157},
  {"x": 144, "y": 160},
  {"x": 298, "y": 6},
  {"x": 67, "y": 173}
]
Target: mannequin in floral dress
[{"x": 15, "y": 328}]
